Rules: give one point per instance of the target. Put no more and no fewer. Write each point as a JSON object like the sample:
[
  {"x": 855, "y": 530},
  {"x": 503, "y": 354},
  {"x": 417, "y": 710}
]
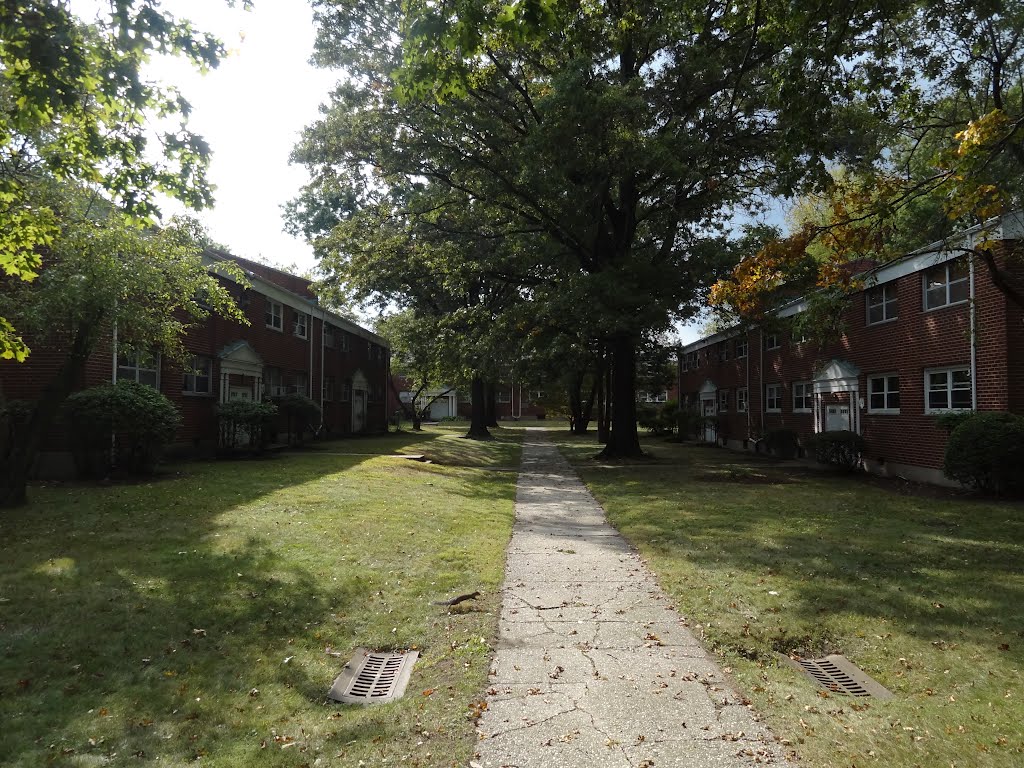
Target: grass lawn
[
  {"x": 187, "y": 619},
  {"x": 924, "y": 592}
]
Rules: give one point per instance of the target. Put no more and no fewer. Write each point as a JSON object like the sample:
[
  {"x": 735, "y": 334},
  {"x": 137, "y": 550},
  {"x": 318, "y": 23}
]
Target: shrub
[
  {"x": 782, "y": 442},
  {"x": 986, "y": 452},
  {"x": 658, "y": 420},
  {"x": 14, "y": 419},
  {"x": 841, "y": 448},
  {"x": 244, "y": 423},
  {"x": 141, "y": 419},
  {"x": 689, "y": 424},
  {"x": 299, "y": 412}
]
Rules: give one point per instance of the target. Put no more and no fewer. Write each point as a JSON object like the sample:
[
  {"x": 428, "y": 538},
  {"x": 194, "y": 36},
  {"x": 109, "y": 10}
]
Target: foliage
[
  {"x": 244, "y": 422},
  {"x": 590, "y": 159},
  {"x": 783, "y": 442},
  {"x": 137, "y": 420},
  {"x": 986, "y": 451},
  {"x": 840, "y": 448},
  {"x": 75, "y": 106},
  {"x": 950, "y": 156},
  {"x": 300, "y": 412},
  {"x": 102, "y": 273}
]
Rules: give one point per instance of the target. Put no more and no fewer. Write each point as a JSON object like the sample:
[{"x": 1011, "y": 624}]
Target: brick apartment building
[
  {"x": 929, "y": 334},
  {"x": 291, "y": 345}
]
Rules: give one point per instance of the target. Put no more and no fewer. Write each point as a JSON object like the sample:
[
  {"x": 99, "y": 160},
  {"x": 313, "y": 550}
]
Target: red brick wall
[{"x": 916, "y": 341}]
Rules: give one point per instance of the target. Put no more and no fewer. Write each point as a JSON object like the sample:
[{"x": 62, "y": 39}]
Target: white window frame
[
  {"x": 723, "y": 352},
  {"x": 771, "y": 341},
  {"x": 723, "y": 401},
  {"x": 198, "y": 363},
  {"x": 273, "y": 315},
  {"x": 949, "y": 371},
  {"x": 272, "y": 381},
  {"x": 768, "y": 398},
  {"x": 329, "y": 335},
  {"x": 300, "y": 326},
  {"x": 131, "y": 368},
  {"x": 946, "y": 285},
  {"x": 341, "y": 339},
  {"x": 346, "y": 392},
  {"x": 886, "y": 392},
  {"x": 329, "y": 388},
  {"x": 742, "y": 400},
  {"x": 503, "y": 395},
  {"x": 806, "y": 392},
  {"x": 744, "y": 345},
  {"x": 886, "y": 301},
  {"x": 295, "y": 387}
]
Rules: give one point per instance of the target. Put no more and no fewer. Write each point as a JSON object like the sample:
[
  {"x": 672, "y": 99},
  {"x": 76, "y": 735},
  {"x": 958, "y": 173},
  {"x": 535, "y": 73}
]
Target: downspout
[
  {"x": 974, "y": 342},
  {"x": 323, "y": 361},
  {"x": 113, "y": 380},
  {"x": 760, "y": 376},
  {"x": 749, "y": 400},
  {"x": 309, "y": 379}
]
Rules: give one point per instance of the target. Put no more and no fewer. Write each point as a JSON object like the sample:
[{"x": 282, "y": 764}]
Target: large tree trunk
[
  {"x": 580, "y": 410},
  {"x": 491, "y": 413},
  {"x": 603, "y": 399},
  {"x": 14, "y": 476},
  {"x": 623, "y": 442},
  {"x": 478, "y": 419}
]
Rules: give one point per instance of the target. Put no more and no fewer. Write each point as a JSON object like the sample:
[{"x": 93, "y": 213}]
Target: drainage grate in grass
[
  {"x": 840, "y": 675},
  {"x": 373, "y": 678}
]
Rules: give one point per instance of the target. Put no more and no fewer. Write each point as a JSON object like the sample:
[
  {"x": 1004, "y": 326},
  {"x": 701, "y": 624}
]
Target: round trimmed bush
[
  {"x": 142, "y": 420},
  {"x": 986, "y": 451}
]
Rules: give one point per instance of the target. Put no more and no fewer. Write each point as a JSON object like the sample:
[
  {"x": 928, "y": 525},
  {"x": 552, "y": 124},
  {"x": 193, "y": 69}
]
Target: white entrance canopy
[{"x": 837, "y": 376}]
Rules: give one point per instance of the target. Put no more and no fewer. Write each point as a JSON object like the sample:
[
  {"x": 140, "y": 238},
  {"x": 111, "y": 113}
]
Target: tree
[
  {"x": 612, "y": 135},
  {"x": 74, "y": 105},
  {"x": 101, "y": 273},
  {"x": 414, "y": 357},
  {"x": 951, "y": 158}
]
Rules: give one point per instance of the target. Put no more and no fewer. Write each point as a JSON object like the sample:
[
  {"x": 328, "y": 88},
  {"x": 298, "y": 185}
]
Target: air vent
[
  {"x": 373, "y": 678},
  {"x": 839, "y": 675}
]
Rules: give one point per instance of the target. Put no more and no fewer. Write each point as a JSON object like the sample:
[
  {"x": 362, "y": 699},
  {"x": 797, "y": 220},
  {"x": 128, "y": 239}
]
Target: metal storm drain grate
[
  {"x": 839, "y": 675},
  {"x": 373, "y": 678}
]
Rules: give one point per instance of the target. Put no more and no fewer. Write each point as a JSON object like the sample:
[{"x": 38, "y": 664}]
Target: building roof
[
  {"x": 262, "y": 281},
  {"x": 1010, "y": 226}
]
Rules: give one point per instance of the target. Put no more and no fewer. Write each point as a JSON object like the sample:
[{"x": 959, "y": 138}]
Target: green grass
[
  {"x": 188, "y": 618},
  {"x": 925, "y": 591}
]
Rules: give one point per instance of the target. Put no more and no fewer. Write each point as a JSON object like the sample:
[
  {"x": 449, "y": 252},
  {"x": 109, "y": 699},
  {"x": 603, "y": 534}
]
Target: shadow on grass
[
  {"x": 134, "y": 621},
  {"x": 945, "y": 569}
]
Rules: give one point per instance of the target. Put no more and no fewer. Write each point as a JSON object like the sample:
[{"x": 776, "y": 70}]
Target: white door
[
  {"x": 242, "y": 435},
  {"x": 707, "y": 411},
  {"x": 837, "y": 417},
  {"x": 358, "y": 410}
]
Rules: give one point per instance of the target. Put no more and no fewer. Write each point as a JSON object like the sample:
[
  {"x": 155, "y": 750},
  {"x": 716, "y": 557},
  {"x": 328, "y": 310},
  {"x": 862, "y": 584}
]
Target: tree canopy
[
  {"x": 75, "y": 107},
  {"x": 611, "y": 137}
]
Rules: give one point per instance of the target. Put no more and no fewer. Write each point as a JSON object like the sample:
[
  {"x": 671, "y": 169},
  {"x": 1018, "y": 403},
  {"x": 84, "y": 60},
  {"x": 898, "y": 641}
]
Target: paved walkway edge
[{"x": 594, "y": 667}]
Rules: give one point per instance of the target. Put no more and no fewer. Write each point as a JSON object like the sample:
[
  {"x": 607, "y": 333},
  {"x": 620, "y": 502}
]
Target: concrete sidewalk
[{"x": 594, "y": 667}]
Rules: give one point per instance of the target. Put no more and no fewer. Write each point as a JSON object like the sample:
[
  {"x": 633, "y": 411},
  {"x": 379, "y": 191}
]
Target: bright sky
[{"x": 251, "y": 110}]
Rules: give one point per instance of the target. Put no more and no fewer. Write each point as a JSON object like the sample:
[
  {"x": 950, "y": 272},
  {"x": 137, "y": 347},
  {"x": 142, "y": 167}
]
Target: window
[
  {"x": 723, "y": 400},
  {"x": 773, "y": 397},
  {"x": 376, "y": 392},
  {"x": 723, "y": 351},
  {"x": 300, "y": 383},
  {"x": 300, "y": 327},
  {"x": 771, "y": 341},
  {"x": 142, "y": 367},
  {"x": 274, "y": 315},
  {"x": 803, "y": 393},
  {"x": 503, "y": 395},
  {"x": 329, "y": 388},
  {"x": 329, "y": 335},
  {"x": 801, "y": 336},
  {"x": 947, "y": 389},
  {"x": 198, "y": 376},
  {"x": 341, "y": 339},
  {"x": 882, "y": 305},
  {"x": 271, "y": 382},
  {"x": 741, "y": 348},
  {"x": 346, "y": 391},
  {"x": 536, "y": 395},
  {"x": 946, "y": 284},
  {"x": 884, "y": 393},
  {"x": 741, "y": 400}
]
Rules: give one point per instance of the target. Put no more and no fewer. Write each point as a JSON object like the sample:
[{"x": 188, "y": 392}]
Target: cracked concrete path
[{"x": 594, "y": 667}]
